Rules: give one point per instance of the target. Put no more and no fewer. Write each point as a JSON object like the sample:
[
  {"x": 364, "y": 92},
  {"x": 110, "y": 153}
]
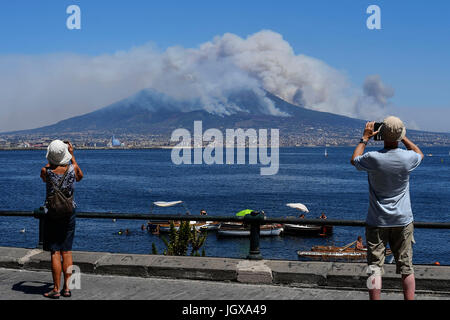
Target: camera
[{"x": 379, "y": 135}]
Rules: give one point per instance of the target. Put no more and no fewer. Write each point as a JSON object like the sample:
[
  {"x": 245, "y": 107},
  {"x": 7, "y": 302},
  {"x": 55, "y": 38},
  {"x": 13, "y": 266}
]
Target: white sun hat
[
  {"x": 393, "y": 129},
  {"x": 58, "y": 153}
]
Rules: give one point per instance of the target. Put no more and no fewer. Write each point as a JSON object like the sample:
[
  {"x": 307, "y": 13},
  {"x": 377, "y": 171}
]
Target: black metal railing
[{"x": 255, "y": 220}]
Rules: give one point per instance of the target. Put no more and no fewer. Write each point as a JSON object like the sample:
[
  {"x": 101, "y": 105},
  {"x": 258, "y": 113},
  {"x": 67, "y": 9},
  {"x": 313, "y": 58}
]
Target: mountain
[
  {"x": 150, "y": 112},
  {"x": 153, "y": 113}
]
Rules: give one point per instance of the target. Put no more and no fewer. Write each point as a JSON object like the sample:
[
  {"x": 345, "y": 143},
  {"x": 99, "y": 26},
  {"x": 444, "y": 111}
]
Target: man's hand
[{"x": 368, "y": 131}]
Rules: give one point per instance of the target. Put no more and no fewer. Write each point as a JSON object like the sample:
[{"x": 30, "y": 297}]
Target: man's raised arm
[{"x": 411, "y": 146}]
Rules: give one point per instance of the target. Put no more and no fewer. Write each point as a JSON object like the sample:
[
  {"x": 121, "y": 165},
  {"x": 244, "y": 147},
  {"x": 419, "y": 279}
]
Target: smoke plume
[{"x": 42, "y": 89}]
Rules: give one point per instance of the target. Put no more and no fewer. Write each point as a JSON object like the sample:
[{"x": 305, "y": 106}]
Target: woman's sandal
[
  {"x": 52, "y": 294},
  {"x": 66, "y": 293}
]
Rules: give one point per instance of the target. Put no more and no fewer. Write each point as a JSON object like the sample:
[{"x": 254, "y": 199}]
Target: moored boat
[
  {"x": 307, "y": 230},
  {"x": 237, "y": 229},
  {"x": 209, "y": 226},
  {"x": 333, "y": 253}
]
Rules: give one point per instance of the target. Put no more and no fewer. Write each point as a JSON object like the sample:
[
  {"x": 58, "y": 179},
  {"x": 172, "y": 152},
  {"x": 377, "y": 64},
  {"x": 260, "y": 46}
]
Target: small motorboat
[
  {"x": 305, "y": 229},
  {"x": 209, "y": 226},
  {"x": 238, "y": 229},
  {"x": 241, "y": 229},
  {"x": 308, "y": 230}
]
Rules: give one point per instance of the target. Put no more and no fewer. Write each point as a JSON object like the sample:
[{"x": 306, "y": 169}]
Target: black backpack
[{"x": 58, "y": 204}]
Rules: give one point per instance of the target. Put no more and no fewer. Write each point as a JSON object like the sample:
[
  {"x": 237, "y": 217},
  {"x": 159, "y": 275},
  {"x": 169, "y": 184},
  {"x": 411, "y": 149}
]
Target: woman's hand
[{"x": 70, "y": 147}]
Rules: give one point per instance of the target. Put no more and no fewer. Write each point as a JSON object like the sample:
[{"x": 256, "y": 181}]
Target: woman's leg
[
  {"x": 56, "y": 269},
  {"x": 56, "y": 274},
  {"x": 67, "y": 262}
]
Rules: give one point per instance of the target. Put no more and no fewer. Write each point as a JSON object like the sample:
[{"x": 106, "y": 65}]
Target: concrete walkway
[
  {"x": 30, "y": 285},
  {"x": 132, "y": 276}
]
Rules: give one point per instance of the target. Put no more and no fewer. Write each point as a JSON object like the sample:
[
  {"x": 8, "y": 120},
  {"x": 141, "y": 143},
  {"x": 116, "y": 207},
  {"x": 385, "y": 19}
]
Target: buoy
[{"x": 437, "y": 263}]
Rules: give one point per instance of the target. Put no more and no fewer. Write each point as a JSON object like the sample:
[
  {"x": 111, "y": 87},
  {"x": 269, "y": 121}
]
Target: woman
[
  {"x": 359, "y": 244},
  {"x": 59, "y": 228}
]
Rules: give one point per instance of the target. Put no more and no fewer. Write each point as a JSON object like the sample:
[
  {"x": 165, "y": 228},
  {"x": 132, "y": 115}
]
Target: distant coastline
[{"x": 178, "y": 147}]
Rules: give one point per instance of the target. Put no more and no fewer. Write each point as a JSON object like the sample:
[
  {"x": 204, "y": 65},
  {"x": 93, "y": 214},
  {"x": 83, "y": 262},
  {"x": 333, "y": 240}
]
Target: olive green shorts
[{"x": 400, "y": 240}]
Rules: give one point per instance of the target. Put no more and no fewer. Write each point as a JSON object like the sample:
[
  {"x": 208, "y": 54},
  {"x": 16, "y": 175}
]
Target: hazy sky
[{"x": 49, "y": 73}]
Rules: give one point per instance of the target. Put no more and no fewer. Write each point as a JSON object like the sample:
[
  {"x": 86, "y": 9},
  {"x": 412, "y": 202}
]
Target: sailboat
[{"x": 326, "y": 152}]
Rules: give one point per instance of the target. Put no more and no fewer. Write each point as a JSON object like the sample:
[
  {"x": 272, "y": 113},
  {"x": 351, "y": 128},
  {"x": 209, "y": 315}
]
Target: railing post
[
  {"x": 255, "y": 228},
  {"x": 39, "y": 214}
]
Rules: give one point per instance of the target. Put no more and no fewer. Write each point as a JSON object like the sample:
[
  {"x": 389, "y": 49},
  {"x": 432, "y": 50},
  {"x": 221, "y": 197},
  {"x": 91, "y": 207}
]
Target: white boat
[
  {"x": 209, "y": 226},
  {"x": 237, "y": 229},
  {"x": 306, "y": 229}
]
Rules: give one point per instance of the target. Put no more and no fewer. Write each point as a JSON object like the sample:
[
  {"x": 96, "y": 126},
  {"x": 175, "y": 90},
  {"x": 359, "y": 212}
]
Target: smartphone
[{"x": 378, "y": 136}]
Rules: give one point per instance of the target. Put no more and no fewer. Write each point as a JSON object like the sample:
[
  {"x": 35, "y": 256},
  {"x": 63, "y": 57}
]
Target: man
[{"x": 389, "y": 217}]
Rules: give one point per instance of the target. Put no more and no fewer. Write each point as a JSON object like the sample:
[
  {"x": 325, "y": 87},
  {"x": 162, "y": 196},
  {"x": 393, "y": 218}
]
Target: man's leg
[
  {"x": 375, "y": 284},
  {"x": 376, "y": 239},
  {"x": 409, "y": 286},
  {"x": 401, "y": 242}
]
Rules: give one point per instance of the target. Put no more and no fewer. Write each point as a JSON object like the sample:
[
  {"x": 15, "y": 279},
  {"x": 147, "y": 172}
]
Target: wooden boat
[
  {"x": 237, "y": 229},
  {"x": 332, "y": 253},
  {"x": 308, "y": 230}
]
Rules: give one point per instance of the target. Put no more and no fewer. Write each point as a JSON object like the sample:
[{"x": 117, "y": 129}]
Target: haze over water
[{"x": 130, "y": 180}]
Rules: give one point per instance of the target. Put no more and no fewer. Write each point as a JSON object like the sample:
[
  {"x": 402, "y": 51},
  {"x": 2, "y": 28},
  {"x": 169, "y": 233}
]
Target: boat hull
[
  {"x": 164, "y": 227},
  {"x": 209, "y": 226},
  {"x": 236, "y": 230},
  {"x": 308, "y": 230},
  {"x": 333, "y": 256}
]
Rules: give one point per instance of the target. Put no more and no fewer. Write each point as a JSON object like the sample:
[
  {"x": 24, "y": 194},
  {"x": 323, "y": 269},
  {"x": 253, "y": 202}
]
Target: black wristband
[{"x": 363, "y": 141}]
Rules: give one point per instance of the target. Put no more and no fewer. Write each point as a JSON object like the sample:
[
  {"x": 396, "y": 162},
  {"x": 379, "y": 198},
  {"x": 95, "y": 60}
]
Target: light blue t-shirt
[{"x": 388, "y": 174}]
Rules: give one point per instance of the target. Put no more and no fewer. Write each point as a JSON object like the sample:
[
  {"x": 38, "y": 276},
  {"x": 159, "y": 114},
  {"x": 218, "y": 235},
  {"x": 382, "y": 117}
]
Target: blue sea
[{"x": 130, "y": 180}]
